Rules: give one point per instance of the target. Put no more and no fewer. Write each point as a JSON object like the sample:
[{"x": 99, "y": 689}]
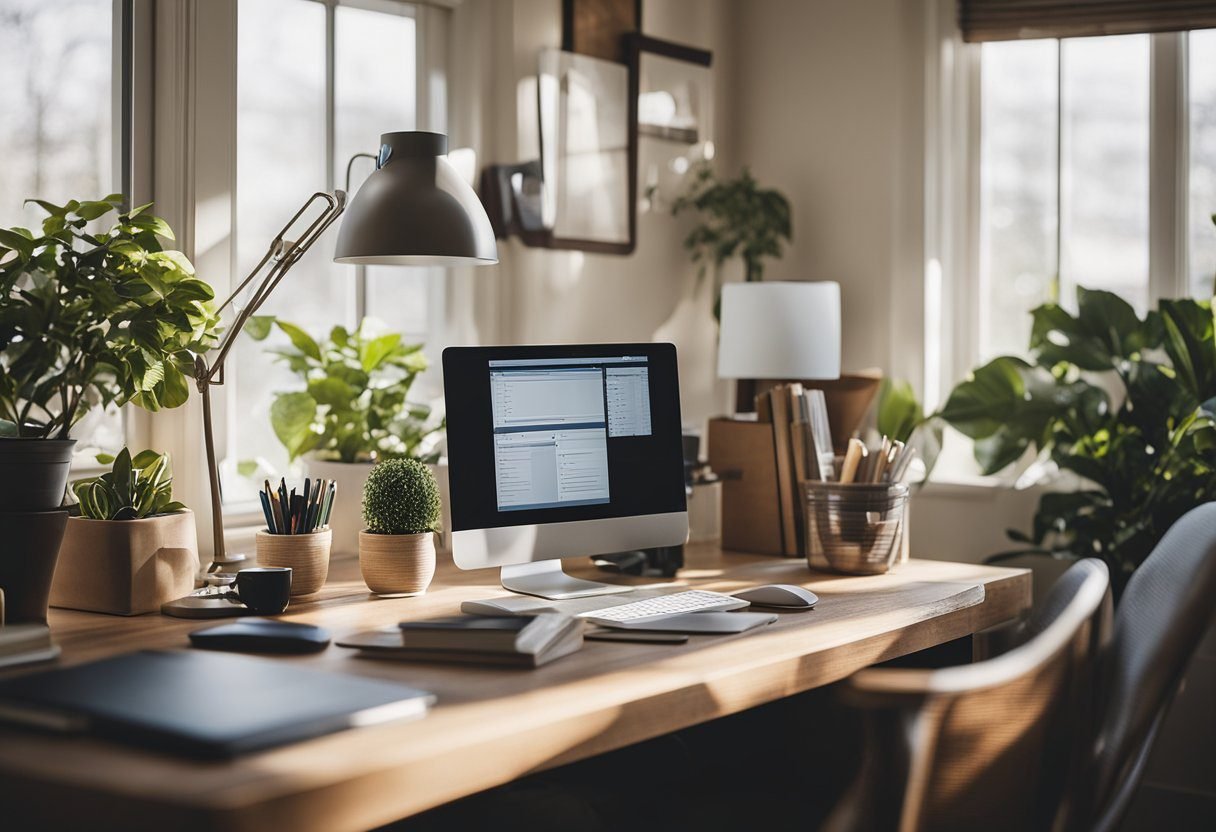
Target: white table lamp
[{"x": 780, "y": 330}]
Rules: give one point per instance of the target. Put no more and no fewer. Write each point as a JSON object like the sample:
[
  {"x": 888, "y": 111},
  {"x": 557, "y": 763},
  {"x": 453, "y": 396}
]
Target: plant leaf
[
  {"x": 300, "y": 339},
  {"x": 258, "y": 326},
  {"x": 291, "y": 416}
]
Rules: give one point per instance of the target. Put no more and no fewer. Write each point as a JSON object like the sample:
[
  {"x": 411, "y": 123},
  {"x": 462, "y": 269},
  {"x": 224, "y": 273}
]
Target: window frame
[
  {"x": 189, "y": 119},
  {"x": 430, "y": 108},
  {"x": 951, "y": 192}
]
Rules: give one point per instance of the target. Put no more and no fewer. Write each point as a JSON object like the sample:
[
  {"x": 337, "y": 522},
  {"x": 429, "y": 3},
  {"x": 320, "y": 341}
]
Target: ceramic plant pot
[
  {"x": 397, "y": 564},
  {"x": 347, "y": 517},
  {"x": 29, "y": 548},
  {"x": 126, "y": 567},
  {"x": 306, "y": 554},
  {"x": 34, "y": 473}
]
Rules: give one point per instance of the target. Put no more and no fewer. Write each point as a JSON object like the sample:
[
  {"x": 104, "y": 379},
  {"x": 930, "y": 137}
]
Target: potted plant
[
  {"x": 1126, "y": 406},
  {"x": 734, "y": 217},
  {"x": 87, "y": 318},
  {"x": 401, "y": 513},
  {"x": 352, "y": 411},
  {"x": 132, "y": 547}
]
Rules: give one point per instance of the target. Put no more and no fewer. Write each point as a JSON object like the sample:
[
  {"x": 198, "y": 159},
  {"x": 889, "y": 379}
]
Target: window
[
  {"x": 1202, "y": 141},
  {"x": 57, "y": 134},
  {"x": 301, "y": 117},
  {"x": 1064, "y": 181}
]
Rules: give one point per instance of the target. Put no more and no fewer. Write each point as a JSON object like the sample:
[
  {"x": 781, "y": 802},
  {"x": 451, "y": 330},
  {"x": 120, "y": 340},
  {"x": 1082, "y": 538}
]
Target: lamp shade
[
  {"x": 780, "y": 331},
  {"x": 415, "y": 210}
]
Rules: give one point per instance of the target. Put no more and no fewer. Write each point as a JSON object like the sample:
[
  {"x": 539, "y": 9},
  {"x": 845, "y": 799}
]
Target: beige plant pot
[
  {"x": 125, "y": 567},
  {"x": 307, "y": 555},
  {"x": 397, "y": 564}
]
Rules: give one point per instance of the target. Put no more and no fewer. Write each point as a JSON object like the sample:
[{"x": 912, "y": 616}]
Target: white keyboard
[{"x": 639, "y": 613}]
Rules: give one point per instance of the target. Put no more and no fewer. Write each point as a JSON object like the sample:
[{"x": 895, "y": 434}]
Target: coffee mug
[{"x": 265, "y": 590}]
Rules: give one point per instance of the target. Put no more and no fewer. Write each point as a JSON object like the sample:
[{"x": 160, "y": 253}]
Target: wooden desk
[{"x": 490, "y": 726}]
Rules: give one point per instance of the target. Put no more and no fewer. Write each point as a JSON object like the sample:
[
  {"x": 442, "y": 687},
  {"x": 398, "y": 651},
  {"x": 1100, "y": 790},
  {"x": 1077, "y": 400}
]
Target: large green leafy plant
[
  {"x": 132, "y": 489},
  {"x": 353, "y": 406},
  {"x": 1127, "y": 404},
  {"x": 89, "y": 318},
  {"x": 735, "y": 217}
]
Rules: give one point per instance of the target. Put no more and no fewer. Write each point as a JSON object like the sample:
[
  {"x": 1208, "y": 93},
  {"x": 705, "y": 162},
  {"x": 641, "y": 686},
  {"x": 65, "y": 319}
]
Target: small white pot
[{"x": 347, "y": 517}]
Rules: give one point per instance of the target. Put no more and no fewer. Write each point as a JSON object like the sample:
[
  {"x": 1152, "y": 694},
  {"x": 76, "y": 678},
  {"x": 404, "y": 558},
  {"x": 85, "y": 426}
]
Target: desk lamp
[
  {"x": 413, "y": 210},
  {"x": 780, "y": 331}
]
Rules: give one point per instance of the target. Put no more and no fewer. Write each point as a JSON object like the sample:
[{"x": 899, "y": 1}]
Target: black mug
[{"x": 265, "y": 590}]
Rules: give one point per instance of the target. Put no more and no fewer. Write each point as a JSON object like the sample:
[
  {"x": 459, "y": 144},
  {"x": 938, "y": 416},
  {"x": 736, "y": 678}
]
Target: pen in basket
[{"x": 303, "y": 513}]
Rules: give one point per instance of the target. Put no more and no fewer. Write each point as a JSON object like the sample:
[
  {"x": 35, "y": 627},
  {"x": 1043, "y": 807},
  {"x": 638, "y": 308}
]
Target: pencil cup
[
  {"x": 306, "y": 554},
  {"x": 855, "y": 528}
]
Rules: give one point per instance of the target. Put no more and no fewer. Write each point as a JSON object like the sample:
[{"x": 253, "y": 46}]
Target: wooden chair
[
  {"x": 996, "y": 745},
  {"x": 1164, "y": 612}
]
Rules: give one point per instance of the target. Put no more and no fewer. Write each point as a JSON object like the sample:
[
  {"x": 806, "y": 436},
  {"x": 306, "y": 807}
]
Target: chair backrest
[
  {"x": 994, "y": 745},
  {"x": 1164, "y": 612}
]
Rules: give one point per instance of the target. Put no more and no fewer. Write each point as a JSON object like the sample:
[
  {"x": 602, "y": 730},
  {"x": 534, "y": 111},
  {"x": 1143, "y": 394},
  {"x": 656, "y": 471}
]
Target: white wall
[
  {"x": 823, "y": 100},
  {"x": 545, "y": 296}
]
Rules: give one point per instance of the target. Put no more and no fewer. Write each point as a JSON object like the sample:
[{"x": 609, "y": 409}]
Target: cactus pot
[{"x": 397, "y": 564}]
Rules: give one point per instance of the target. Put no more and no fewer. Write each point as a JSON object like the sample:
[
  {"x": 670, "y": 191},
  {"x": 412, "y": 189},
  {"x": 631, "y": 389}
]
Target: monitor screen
[{"x": 555, "y": 434}]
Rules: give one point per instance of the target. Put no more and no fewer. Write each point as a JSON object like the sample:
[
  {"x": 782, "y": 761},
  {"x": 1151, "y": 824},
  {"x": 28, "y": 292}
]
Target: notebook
[
  {"x": 203, "y": 704},
  {"x": 497, "y": 640}
]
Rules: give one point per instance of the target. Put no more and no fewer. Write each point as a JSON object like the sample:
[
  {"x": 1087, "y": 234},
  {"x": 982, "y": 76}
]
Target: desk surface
[{"x": 490, "y": 725}]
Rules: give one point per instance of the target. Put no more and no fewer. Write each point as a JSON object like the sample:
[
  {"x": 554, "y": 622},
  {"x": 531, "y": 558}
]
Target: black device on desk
[
  {"x": 207, "y": 705},
  {"x": 260, "y": 635}
]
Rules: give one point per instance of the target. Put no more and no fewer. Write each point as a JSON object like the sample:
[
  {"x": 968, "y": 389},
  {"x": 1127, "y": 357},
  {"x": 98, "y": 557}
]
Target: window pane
[
  {"x": 375, "y": 82},
  {"x": 1017, "y": 191},
  {"x": 281, "y": 160},
  {"x": 1104, "y": 172},
  {"x": 1201, "y": 53},
  {"x": 56, "y": 135}
]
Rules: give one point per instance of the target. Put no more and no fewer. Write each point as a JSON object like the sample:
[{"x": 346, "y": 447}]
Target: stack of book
[
  {"x": 26, "y": 643},
  {"x": 520, "y": 641}
]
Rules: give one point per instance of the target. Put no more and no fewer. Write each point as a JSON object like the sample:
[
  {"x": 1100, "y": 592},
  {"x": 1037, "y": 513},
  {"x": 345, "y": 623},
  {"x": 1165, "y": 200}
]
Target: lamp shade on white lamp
[{"x": 780, "y": 331}]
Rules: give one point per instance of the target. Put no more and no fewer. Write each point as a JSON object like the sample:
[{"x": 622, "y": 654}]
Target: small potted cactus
[{"x": 401, "y": 512}]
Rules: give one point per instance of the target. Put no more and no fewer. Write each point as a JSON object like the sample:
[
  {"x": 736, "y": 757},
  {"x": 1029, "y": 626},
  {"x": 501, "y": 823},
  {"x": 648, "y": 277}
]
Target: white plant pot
[{"x": 347, "y": 518}]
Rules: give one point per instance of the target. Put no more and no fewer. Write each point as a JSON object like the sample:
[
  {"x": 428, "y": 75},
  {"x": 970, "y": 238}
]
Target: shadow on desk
[{"x": 779, "y": 766}]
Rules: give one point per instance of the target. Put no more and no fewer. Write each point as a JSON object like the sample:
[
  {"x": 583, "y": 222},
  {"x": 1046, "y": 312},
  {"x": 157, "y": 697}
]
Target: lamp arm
[{"x": 283, "y": 254}]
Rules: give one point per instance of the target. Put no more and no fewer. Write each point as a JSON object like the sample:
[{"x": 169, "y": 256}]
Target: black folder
[{"x": 204, "y": 705}]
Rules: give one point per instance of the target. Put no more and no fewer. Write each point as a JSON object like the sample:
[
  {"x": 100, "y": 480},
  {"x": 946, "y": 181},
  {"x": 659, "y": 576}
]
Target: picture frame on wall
[
  {"x": 675, "y": 91},
  {"x": 588, "y": 146}
]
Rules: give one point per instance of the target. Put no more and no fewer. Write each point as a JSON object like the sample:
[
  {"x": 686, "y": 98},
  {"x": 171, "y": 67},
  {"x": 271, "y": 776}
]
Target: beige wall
[
  {"x": 829, "y": 98},
  {"x": 544, "y": 296},
  {"x": 821, "y": 99}
]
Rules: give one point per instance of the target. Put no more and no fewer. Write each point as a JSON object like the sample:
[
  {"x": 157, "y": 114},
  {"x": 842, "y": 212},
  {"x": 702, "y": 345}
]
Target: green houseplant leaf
[
  {"x": 133, "y": 488},
  {"x": 1144, "y": 462},
  {"x": 95, "y": 316},
  {"x": 353, "y": 406}
]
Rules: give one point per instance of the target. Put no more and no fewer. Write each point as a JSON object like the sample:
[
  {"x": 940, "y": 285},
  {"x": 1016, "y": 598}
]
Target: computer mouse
[
  {"x": 261, "y": 635},
  {"x": 784, "y": 596}
]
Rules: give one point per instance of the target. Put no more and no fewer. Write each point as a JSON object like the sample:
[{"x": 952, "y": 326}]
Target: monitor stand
[{"x": 545, "y": 579}]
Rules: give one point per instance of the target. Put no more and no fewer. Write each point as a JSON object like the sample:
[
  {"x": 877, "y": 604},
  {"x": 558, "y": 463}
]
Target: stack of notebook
[
  {"x": 507, "y": 640},
  {"x": 802, "y": 442}
]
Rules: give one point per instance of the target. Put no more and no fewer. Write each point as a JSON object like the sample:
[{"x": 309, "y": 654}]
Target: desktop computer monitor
[{"x": 562, "y": 451}]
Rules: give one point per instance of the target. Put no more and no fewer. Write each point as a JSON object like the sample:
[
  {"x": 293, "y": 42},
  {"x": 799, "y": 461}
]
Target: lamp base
[
  {"x": 204, "y": 606},
  {"x": 212, "y": 601}
]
